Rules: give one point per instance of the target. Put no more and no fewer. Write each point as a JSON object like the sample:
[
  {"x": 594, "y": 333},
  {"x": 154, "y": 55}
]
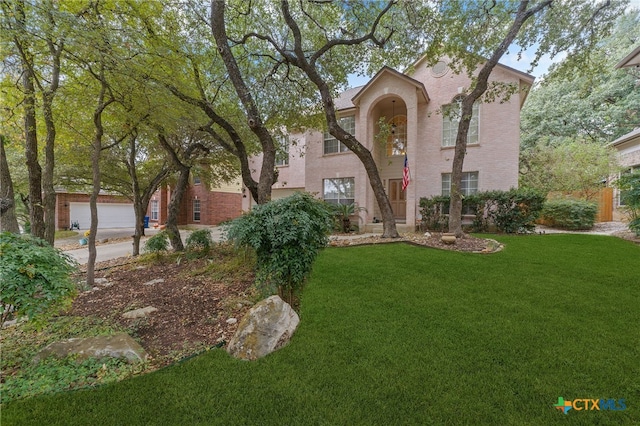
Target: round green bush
[
  {"x": 158, "y": 243},
  {"x": 33, "y": 275},
  {"x": 200, "y": 240},
  {"x": 570, "y": 214}
]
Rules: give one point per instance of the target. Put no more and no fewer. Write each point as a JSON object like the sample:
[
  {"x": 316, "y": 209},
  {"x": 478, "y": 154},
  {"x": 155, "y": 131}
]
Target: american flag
[{"x": 406, "y": 175}]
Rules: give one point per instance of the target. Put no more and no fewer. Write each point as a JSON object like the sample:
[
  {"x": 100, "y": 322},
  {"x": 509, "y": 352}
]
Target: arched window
[
  {"x": 397, "y": 140},
  {"x": 451, "y": 118}
]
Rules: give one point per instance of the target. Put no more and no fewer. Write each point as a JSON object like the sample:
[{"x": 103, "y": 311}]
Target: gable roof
[
  {"x": 528, "y": 78},
  {"x": 631, "y": 60},
  {"x": 395, "y": 74},
  {"x": 626, "y": 138}
]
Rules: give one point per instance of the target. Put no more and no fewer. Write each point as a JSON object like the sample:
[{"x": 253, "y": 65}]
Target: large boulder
[
  {"x": 119, "y": 345},
  {"x": 267, "y": 327}
]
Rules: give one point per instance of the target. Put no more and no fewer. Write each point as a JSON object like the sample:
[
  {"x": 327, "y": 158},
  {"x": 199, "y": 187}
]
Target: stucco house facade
[{"x": 419, "y": 109}]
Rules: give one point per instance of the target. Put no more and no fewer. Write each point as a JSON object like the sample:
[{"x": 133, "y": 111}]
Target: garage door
[{"x": 109, "y": 215}]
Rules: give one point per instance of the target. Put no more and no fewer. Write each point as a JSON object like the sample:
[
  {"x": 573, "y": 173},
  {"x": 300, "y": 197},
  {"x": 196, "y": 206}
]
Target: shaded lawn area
[{"x": 398, "y": 334}]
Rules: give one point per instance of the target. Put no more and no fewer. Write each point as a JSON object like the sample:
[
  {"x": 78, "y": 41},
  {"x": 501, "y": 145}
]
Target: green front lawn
[{"x": 398, "y": 334}]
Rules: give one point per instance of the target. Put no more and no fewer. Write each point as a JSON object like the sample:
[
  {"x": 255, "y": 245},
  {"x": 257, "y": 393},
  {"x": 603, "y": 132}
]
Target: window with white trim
[
  {"x": 468, "y": 186},
  {"x": 154, "y": 210},
  {"x": 339, "y": 190},
  {"x": 451, "y": 115},
  {"x": 196, "y": 210},
  {"x": 282, "y": 151},
  {"x": 397, "y": 141},
  {"x": 331, "y": 144}
]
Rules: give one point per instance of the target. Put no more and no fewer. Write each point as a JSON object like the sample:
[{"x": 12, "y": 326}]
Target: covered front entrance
[{"x": 398, "y": 199}]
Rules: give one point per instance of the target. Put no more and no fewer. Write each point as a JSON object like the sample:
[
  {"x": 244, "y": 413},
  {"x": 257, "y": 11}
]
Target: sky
[{"x": 510, "y": 60}]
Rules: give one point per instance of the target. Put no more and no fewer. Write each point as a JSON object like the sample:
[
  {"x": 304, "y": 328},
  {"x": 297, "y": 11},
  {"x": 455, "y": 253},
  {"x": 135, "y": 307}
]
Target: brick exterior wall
[
  {"x": 215, "y": 207},
  {"x": 64, "y": 200}
]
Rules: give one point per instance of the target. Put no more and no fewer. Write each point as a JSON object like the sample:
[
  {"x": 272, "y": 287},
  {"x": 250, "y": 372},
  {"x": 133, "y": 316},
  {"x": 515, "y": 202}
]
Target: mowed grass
[{"x": 397, "y": 334}]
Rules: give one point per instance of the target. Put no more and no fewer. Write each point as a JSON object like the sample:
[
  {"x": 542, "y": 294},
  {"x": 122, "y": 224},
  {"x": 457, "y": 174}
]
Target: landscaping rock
[
  {"x": 119, "y": 345},
  {"x": 156, "y": 281},
  {"x": 267, "y": 327},
  {"x": 139, "y": 313},
  {"x": 231, "y": 321}
]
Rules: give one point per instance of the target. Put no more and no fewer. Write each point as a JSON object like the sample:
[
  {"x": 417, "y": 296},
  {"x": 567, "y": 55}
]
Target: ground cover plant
[{"x": 399, "y": 334}]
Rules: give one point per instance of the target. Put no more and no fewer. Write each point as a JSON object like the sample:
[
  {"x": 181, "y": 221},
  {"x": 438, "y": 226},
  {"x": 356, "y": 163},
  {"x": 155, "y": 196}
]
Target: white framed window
[
  {"x": 196, "y": 180},
  {"x": 469, "y": 183},
  {"x": 397, "y": 141},
  {"x": 282, "y": 151},
  {"x": 451, "y": 115},
  {"x": 339, "y": 190},
  {"x": 196, "y": 210},
  {"x": 154, "y": 210},
  {"x": 331, "y": 144}
]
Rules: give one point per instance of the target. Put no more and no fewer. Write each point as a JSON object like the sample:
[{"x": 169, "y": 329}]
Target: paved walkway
[{"x": 120, "y": 248}]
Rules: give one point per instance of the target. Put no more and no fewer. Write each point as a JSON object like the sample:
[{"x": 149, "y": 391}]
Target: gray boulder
[
  {"x": 119, "y": 345},
  {"x": 267, "y": 327}
]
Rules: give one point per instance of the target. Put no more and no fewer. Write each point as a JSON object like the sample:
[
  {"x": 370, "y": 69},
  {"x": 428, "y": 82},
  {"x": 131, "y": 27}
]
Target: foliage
[
  {"x": 568, "y": 166},
  {"x": 200, "y": 240},
  {"x": 365, "y": 319},
  {"x": 569, "y": 214},
  {"x": 287, "y": 235},
  {"x": 597, "y": 103},
  {"x": 512, "y": 211},
  {"x": 343, "y": 213},
  {"x": 157, "y": 243},
  {"x": 33, "y": 274},
  {"x": 434, "y": 213},
  {"x": 629, "y": 185},
  {"x": 54, "y": 375}
]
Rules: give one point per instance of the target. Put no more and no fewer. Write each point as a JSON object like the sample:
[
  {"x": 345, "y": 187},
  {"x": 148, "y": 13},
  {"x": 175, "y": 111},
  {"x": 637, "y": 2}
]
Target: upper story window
[
  {"x": 451, "y": 118},
  {"x": 196, "y": 180},
  {"x": 397, "y": 140},
  {"x": 331, "y": 144},
  {"x": 282, "y": 151}
]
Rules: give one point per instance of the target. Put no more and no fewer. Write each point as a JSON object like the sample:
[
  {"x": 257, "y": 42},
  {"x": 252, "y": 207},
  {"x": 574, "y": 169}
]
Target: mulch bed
[{"x": 196, "y": 308}]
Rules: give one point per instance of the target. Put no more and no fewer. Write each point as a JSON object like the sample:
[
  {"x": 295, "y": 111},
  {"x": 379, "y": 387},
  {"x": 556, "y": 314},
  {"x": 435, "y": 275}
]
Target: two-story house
[{"x": 420, "y": 111}]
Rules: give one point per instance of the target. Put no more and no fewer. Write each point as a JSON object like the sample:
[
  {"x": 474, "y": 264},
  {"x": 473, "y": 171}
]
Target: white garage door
[{"x": 109, "y": 215}]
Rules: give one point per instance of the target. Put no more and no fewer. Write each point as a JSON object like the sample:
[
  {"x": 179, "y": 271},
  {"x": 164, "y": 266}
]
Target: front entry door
[{"x": 398, "y": 199}]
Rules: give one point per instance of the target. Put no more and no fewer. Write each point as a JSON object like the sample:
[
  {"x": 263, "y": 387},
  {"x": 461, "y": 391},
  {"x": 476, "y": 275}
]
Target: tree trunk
[
  {"x": 174, "y": 208},
  {"x": 267, "y": 172},
  {"x": 8, "y": 218},
  {"x": 47, "y": 177},
  {"x": 363, "y": 154},
  {"x": 455, "y": 205}
]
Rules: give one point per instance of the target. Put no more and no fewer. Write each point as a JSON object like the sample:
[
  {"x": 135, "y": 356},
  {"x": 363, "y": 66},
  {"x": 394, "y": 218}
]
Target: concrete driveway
[{"x": 108, "y": 251}]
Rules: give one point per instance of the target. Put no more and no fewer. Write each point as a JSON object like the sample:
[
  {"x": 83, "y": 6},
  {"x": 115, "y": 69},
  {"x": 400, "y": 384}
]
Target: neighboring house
[
  {"x": 628, "y": 146},
  {"x": 412, "y": 104},
  {"x": 201, "y": 204},
  {"x": 113, "y": 211}
]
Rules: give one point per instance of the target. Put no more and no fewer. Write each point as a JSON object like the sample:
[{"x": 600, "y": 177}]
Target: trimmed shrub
[
  {"x": 200, "y": 240},
  {"x": 629, "y": 185},
  {"x": 34, "y": 275},
  {"x": 513, "y": 211},
  {"x": 157, "y": 243},
  {"x": 510, "y": 211},
  {"x": 570, "y": 214},
  {"x": 287, "y": 235}
]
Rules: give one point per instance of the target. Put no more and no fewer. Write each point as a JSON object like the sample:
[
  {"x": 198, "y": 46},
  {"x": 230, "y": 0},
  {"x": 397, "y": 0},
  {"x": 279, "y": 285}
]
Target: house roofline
[
  {"x": 635, "y": 133},
  {"x": 635, "y": 54},
  {"x": 388, "y": 70},
  {"x": 523, "y": 75}
]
